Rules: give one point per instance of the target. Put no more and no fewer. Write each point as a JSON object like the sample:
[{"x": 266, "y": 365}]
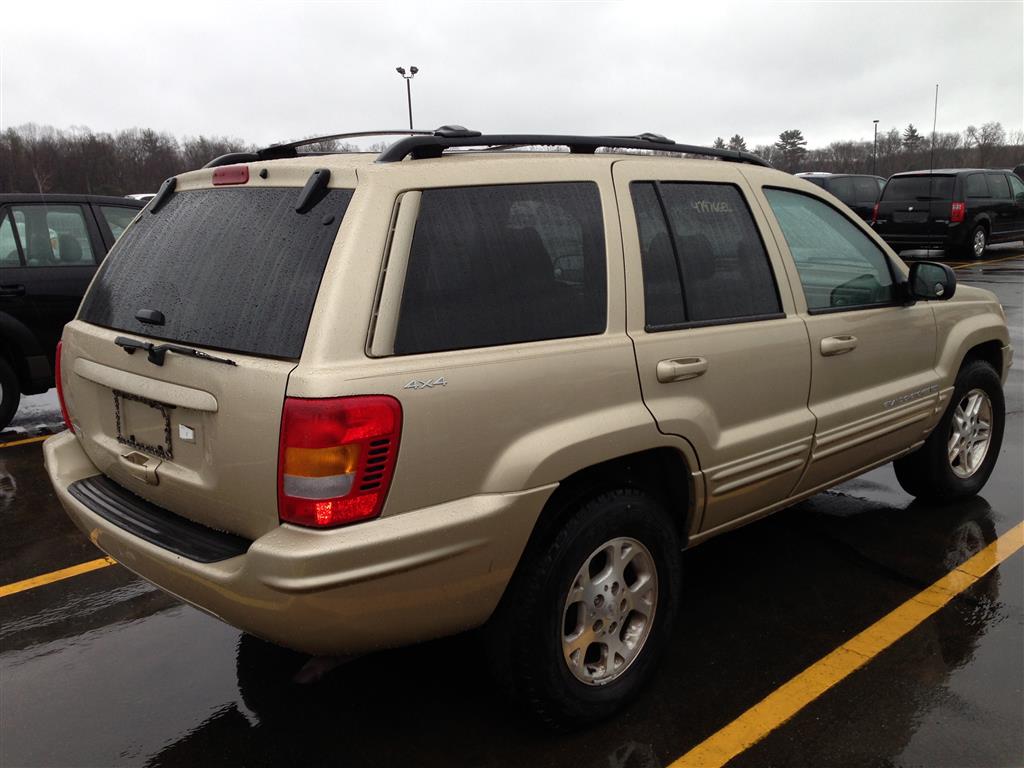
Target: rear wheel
[
  {"x": 10, "y": 393},
  {"x": 976, "y": 243},
  {"x": 588, "y": 616},
  {"x": 957, "y": 458}
]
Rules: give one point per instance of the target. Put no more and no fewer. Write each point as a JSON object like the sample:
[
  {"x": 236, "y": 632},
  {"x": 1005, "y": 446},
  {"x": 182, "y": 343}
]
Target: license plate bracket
[{"x": 165, "y": 451}]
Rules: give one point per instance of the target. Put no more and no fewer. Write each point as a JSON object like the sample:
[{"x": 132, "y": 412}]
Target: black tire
[
  {"x": 524, "y": 638},
  {"x": 968, "y": 249},
  {"x": 10, "y": 393},
  {"x": 927, "y": 473}
]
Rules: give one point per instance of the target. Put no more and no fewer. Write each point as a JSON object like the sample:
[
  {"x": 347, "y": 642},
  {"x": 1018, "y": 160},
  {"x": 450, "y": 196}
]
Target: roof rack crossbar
[{"x": 433, "y": 145}]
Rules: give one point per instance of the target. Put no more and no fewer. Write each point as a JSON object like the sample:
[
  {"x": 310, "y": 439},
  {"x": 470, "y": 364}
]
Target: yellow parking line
[
  {"x": 48, "y": 578},
  {"x": 786, "y": 701},
  {"x": 986, "y": 262},
  {"x": 26, "y": 441}
]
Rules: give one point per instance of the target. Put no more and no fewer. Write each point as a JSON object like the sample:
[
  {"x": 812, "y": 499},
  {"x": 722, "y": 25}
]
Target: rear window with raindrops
[{"x": 229, "y": 269}]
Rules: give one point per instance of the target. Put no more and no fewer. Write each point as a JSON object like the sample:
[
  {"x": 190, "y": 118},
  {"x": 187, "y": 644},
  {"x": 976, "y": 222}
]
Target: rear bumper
[
  {"x": 953, "y": 237},
  {"x": 389, "y": 582}
]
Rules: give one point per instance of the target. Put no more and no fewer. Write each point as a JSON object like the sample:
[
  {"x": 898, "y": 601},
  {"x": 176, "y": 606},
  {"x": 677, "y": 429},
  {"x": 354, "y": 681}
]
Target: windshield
[
  {"x": 232, "y": 269},
  {"x": 919, "y": 188}
]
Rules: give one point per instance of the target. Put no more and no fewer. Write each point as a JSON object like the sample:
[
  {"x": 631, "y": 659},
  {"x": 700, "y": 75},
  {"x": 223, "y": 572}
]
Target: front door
[
  {"x": 721, "y": 354},
  {"x": 874, "y": 390}
]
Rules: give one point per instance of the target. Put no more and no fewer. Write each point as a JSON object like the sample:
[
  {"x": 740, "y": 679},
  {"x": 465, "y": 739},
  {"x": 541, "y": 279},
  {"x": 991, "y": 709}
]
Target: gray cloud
[{"x": 272, "y": 71}]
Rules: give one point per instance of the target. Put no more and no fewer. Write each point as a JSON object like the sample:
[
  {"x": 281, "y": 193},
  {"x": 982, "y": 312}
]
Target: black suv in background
[
  {"x": 50, "y": 246},
  {"x": 859, "y": 192},
  {"x": 961, "y": 210}
]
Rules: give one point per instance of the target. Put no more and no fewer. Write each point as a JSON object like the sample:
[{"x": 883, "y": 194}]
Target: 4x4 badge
[{"x": 440, "y": 381}]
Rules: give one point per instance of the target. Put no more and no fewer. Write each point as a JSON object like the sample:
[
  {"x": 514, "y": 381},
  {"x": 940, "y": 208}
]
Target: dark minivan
[
  {"x": 858, "y": 191},
  {"x": 961, "y": 210},
  {"x": 50, "y": 246}
]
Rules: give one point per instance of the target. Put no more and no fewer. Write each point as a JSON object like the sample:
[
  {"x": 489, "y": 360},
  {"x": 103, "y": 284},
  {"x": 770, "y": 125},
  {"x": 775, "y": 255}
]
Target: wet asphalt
[{"x": 103, "y": 669}]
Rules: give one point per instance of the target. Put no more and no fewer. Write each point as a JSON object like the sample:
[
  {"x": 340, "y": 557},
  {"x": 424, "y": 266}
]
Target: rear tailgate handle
[
  {"x": 141, "y": 466},
  {"x": 12, "y": 290},
  {"x": 838, "y": 345},
  {"x": 681, "y": 368}
]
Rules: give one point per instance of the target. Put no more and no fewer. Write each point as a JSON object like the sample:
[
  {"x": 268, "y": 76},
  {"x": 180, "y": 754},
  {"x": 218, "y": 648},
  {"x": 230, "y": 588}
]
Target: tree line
[
  {"x": 37, "y": 158},
  {"x": 989, "y": 146}
]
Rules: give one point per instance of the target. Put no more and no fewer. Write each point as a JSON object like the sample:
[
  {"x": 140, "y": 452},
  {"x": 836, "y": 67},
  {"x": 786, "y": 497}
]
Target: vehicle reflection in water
[{"x": 429, "y": 705}]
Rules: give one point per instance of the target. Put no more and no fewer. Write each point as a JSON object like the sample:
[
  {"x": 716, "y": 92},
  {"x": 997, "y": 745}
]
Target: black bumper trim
[{"x": 154, "y": 524}]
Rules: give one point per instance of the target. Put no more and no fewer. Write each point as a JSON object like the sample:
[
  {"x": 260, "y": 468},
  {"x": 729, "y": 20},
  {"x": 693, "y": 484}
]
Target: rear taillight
[
  {"x": 336, "y": 458},
  {"x": 60, "y": 387},
  {"x": 874, "y": 214},
  {"x": 956, "y": 213}
]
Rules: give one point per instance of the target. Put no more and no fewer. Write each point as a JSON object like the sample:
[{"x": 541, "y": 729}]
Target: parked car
[
  {"x": 348, "y": 402},
  {"x": 957, "y": 210},
  {"x": 49, "y": 248},
  {"x": 143, "y": 197},
  {"x": 858, "y": 191}
]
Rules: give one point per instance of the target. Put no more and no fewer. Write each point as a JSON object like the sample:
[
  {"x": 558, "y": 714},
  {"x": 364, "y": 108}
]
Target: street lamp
[
  {"x": 874, "y": 151},
  {"x": 408, "y": 87}
]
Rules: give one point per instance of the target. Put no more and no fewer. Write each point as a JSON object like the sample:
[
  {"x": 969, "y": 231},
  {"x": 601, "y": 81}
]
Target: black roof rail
[
  {"x": 426, "y": 144},
  {"x": 290, "y": 149},
  {"x": 433, "y": 145}
]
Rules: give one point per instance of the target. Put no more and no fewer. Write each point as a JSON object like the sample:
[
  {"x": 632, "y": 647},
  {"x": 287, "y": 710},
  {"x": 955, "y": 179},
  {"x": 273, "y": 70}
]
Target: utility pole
[
  {"x": 408, "y": 86},
  {"x": 874, "y": 152}
]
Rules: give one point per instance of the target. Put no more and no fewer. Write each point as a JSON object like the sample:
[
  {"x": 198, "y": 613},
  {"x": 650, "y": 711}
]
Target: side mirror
[{"x": 931, "y": 281}]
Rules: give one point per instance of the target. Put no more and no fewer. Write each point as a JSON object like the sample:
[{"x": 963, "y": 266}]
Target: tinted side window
[
  {"x": 54, "y": 236},
  {"x": 976, "y": 186},
  {"x": 9, "y": 256},
  {"x": 839, "y": 266},
  {"x": 504, "y": 264},
  {"x": 843, "y": 189},
  {"x": 1018, "y": 189},
  {"x": 711, "y": 247},
  {"x": 998, "y": 186},
  {"x": 867, "y": 189},
  {"x": 663, "y": 291},
  {"x": 117, "y": 218}
]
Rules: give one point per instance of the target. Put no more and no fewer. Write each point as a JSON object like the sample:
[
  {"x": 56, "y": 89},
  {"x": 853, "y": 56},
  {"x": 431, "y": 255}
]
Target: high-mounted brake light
[
  {"x": 336, "y": 458},
  {"x": 956, "y": 213},
  {"x": 874, "y": 214},
  {"x": 231, "y": 174},
  {"x": 60, "y": 387}
]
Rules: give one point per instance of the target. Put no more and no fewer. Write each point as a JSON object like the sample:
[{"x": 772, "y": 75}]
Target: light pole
[
  {"x": 408, "y": 87},
  {"x": 874, "y": 151}
]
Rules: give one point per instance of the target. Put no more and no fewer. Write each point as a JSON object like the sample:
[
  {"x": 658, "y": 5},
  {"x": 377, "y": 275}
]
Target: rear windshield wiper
[{"x": 156, "y": 353}]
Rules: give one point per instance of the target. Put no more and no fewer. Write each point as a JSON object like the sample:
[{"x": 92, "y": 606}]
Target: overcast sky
[{"x": 269, "y": 71}]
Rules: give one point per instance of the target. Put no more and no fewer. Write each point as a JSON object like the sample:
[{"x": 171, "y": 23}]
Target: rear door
[
  {"x": 722, "y": 358},
  {"x": 1017, "y": 190},
  {"x": 874, "y": 391},
  {"x": 1004, "y": 212},
  {"x": 233, "y": 272},
  {"x": 58, "y": 243},
  {"x": 13, "y": 303},
  {"x": 113, "y": 220}
]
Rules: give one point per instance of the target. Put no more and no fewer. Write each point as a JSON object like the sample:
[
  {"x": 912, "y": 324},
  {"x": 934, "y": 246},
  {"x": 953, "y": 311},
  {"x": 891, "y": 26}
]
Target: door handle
[
  {"x": 12, "y": 290},
  {"x": 681, "y": 369},
  {"x": 838, "y": 345}
]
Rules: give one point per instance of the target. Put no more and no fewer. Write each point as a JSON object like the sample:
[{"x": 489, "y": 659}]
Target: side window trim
[
  {"x": 384, "y": 321},
  {"x": 688, "y": 323},
  {"x": 897, "y": 279}
]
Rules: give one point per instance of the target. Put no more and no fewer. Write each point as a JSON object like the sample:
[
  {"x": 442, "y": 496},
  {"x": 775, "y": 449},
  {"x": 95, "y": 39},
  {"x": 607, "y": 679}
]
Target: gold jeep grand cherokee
[{"x": 348, "y": 402}]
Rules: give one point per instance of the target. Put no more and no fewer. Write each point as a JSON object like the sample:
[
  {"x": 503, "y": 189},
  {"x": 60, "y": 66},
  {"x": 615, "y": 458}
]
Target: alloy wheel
[
  {"x": 609, "y": 611},
  {"x": 970, "y": 433}
]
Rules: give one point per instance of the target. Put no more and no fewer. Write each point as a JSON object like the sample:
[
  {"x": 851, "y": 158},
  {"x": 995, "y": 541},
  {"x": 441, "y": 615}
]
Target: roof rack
[
  {"x": 433, "y": 145},
  {"x": 290, "y": 149},
  {"x": 426, "y": 144}
]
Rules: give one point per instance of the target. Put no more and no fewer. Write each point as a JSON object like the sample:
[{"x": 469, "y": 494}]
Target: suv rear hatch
[
  {"x": 915, "y": 206},
  {"x": 232, "y": 272}
]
